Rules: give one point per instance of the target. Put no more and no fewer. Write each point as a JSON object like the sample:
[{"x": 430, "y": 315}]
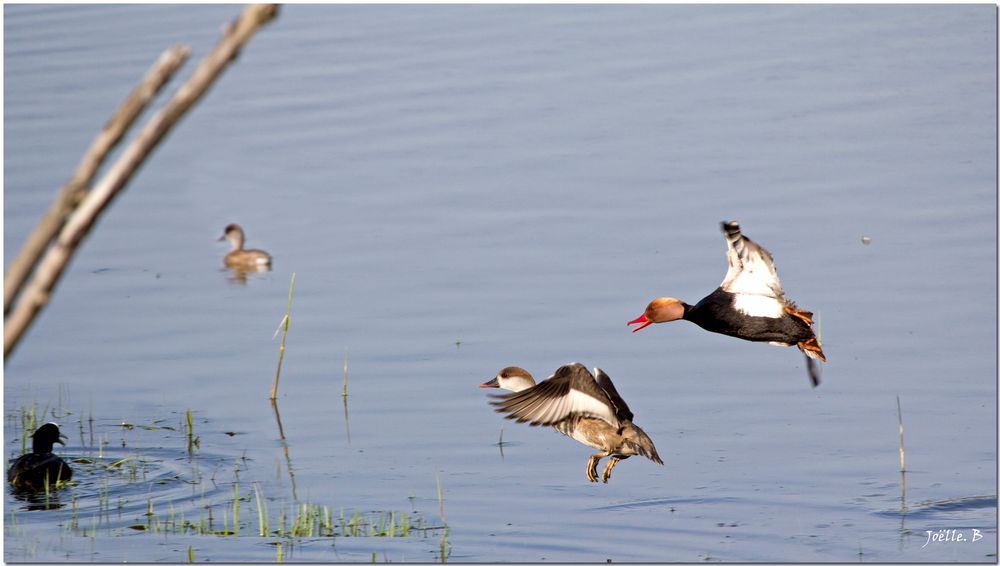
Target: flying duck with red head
[{"x": 749, "y": 304}]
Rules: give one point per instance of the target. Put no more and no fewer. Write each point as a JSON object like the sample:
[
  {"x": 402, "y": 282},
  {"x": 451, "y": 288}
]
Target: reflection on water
[
  {"x": 238, "y": 275},
  {"x": 38, "y": 500},
  {"x": 933, "y": 508},
  {"x": 284, "y": 447}
]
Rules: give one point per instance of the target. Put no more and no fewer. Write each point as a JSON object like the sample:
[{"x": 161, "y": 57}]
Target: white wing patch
[
  {"x": 586, "y": 405},
  {"x": 555, "y": 409},
  {"x": 756, "y": 278},
  {"x": 758, "y": 305},
  {"x": 751, "y": 272}
]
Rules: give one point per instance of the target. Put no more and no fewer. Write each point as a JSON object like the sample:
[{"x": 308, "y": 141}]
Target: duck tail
[
  {"x": 812, "y": 349},
  {"x": 813, "y": 352},
  {"x": 641, "y": 443}
]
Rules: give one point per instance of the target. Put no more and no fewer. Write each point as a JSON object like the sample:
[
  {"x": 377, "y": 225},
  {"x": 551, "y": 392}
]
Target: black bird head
[{"x": 46, "y": 435}]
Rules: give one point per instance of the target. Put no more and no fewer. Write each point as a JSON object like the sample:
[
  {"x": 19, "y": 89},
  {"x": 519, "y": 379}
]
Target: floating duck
[
  {"x": 40, "y": 466},
  {"x": 240, "y": 258}
]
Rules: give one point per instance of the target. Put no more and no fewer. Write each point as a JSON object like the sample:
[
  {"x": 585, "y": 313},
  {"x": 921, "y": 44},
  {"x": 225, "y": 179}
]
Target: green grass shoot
[
  {"x": 190, "y": 432},
  {"x": 236, "y": 499},
  {"x": 261, "y": 511},
  {"x": 283, "y": 327},
  {"x": 437, "y": 477}
]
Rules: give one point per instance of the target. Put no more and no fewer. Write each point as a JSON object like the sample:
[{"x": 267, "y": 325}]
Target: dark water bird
[
  {"x": 583, "y": 406},
  {"x": 31, "y": 471},
  {"x": 749, "y": 304},
  {"x": 240, "y": 258}
]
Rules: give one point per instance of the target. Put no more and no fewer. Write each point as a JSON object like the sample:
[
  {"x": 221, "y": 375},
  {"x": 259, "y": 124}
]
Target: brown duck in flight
[{"x": 583, "y": 406}]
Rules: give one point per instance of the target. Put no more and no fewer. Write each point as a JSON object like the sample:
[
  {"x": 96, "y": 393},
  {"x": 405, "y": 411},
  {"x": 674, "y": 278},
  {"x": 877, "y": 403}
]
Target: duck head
[
  {"x": 47, "y": 435},
  {"x": 660, "y": 309},
  {"x": 234, "y": 234},
  {"x": 511, "y": 378}
]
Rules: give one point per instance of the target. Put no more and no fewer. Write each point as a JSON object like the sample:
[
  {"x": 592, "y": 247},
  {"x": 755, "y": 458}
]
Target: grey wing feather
[
  {"x": 568, "y": 393},
  {"x": 604, "y": 381}
]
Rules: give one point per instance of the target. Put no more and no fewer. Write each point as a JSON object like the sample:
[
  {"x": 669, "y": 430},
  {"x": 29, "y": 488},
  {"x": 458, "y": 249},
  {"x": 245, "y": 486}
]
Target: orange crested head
[{"x": 661, "y": 309}]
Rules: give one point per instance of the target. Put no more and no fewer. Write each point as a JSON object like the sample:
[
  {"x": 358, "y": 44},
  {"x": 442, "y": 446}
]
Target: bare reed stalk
[
  {"x": 902, "y": 459},
  {"x": 437, "y": 477},
  {"x": 36, "y": 292},
  {"x": 75, "y": 189},
  {"x": 343, "y": 392},
  {"x": 283, "y": 326},
  {"x": 902, "y": 453},
  {"x": 347, "y": 419}
]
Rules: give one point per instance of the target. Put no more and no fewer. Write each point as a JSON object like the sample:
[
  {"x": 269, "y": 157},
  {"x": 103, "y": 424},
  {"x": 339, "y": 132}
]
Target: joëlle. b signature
[{"x": 951, "y": 535}]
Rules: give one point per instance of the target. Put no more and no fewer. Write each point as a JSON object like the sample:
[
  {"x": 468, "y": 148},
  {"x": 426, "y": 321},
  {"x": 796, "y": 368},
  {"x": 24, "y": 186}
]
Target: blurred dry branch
[
  {"x": 73, "y": 192},
  {"x": 75, "y": 210}
]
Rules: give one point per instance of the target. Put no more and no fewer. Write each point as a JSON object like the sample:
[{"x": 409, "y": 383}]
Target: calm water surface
[{"x": 461, "y": 188}]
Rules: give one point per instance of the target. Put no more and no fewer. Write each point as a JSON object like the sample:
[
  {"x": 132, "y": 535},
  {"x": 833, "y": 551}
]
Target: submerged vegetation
[{"x": 121, "y": 490}]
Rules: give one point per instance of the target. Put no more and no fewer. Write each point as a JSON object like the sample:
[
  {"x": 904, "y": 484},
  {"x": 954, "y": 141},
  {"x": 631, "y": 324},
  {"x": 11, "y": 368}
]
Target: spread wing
[
  {"x": 621, "y": 408},
  {"x": 570, "y": 392},
  {"x": 751, "y": 268}
]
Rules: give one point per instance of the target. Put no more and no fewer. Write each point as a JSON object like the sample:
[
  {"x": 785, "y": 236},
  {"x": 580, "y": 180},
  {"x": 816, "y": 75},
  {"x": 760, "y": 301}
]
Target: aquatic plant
[
  {"x": 261, "y": 512},
  {"x": 440, "y": 495},
  {"x": 106, "y": 506},
  {"x": 192, "y": 441},
  {"x": 299, "y": 521},
  {"x": 902, "y": 458},
  {"x": 343, "y": 392},
  {"x": 902, "y": 452},
  {"x": 283, "y": 327}
]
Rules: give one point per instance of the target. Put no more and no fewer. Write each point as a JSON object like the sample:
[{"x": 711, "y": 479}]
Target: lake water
[{"x": 462, "y": 188}]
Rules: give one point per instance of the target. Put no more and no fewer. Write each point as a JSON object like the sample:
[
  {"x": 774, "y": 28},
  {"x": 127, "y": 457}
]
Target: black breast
[{"x": 716, "y": 313}]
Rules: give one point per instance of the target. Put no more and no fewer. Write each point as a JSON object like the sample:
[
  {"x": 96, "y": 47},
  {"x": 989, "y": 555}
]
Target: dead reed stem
[
  {"x": 343, "y": 392},
  {"x": 902, "y": 460},
  {"x": 37, "y": 291},
  {"x": 75, "y": 189},
  {"x": 283, "y": 326},
  {"x": 902, "y": 453}
]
